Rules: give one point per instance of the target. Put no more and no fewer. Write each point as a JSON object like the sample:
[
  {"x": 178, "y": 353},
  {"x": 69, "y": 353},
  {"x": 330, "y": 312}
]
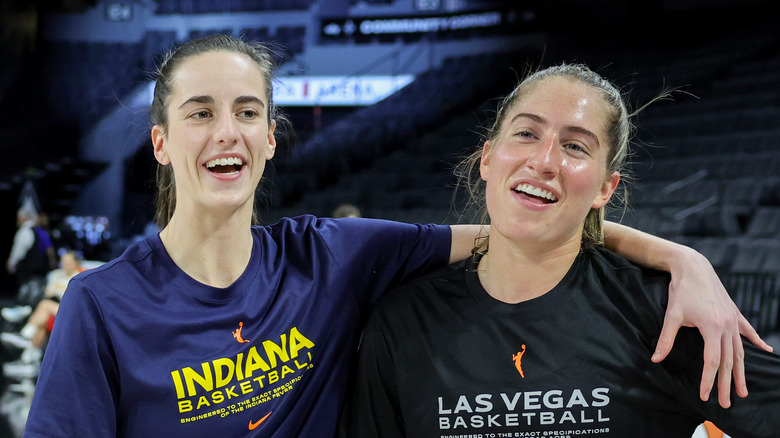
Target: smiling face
[
  {"x": 218, "y": 136},
  {"x": 547, "y": 167}
]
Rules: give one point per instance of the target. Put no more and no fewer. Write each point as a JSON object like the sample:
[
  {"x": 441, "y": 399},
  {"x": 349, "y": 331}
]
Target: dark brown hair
[{"x": 166, "y": 183}]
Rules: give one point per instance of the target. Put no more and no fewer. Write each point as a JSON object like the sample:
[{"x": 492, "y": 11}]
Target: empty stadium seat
[
  {"x": 765, "y": 222},
  {"x": 758, "y": 297}
]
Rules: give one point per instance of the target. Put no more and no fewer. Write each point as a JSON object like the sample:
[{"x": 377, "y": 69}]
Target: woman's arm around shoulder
[{"x": 697, "y": 298}]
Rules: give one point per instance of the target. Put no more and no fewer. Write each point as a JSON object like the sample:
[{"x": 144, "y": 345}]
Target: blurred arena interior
[{"x": 705, "y": 171}]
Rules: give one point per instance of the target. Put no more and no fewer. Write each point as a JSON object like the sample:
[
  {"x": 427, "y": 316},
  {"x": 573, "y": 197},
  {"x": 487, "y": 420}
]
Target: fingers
[
  {"x": 712, "y": 362},
  {"x": 740, "y": 383},
  {"x": 724, "y": 372},
  {"x": 751, "y": 335},
  {"x": 672, "y": 324}
]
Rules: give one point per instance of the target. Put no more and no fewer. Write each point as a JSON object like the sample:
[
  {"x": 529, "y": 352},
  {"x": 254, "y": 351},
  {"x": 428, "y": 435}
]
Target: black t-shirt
[{"x": 441, "y": 358}]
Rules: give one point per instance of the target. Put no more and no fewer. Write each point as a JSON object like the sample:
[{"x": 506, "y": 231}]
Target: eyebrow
[
  {"x": 209, "y": 99},
  {"x": 584, "y": 131},
  {"x": 249, "y": 99},
  {"x": 577, "y": 129},
  {"x": 197, "y": 99}
]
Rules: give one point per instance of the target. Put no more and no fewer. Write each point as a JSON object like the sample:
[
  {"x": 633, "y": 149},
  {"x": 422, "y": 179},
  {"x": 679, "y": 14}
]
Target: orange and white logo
[
  {"x": 518, "y": 359},
  {"x": 253, "y": 425},
  {"x": 237, "y": 333}
]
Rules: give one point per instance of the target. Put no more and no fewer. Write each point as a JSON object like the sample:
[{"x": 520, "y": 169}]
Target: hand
[{"x": 697, "y": 298}]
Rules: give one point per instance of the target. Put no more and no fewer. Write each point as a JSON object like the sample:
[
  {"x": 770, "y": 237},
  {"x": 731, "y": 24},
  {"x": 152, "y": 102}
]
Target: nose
[
  {"x": 545, "y": 157},
  {"x": 226, "y": 131}
]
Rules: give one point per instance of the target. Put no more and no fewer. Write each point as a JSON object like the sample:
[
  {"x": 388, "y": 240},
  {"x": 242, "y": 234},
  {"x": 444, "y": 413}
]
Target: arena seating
[
  {"x": 99, "y": 73},
  {"x": 705, "y": 172}
]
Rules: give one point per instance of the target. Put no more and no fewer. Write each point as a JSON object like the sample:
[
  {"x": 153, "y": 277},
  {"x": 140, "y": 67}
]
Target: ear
[
  {"x": 158, "y": 144},
  {"x": 607, "y": 189},
  {"x": 271, "y": 141},
  {"x": 484, "y": 162}
]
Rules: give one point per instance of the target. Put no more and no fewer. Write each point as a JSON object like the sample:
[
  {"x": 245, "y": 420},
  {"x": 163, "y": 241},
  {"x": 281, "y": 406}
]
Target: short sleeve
[
  {"x": 76, "y": 393},
  {"x": 374, "y": 253}
]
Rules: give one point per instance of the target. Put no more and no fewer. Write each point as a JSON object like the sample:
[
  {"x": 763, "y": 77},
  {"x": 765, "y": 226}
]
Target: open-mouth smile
[
  {"x": 229, "y": 165},
  {"x": 537, "y": 193}
]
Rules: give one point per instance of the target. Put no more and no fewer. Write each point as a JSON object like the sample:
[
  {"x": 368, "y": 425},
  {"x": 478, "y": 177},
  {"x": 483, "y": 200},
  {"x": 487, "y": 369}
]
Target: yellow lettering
[
  {"x": 305, "y": 364},
  {"x": 202, "y": 401},
  {"x": 177, "y": 383},
  {"x": 239, "y": 368},
  {"x": 185, "y": 405},
  {"x": 272, "y": 350},
  {"x": 298, "y": 342},
  {"x": 229, "y": 392},
  {"x": 219, "y": 373},
  {"x": 191, "y": 377},
  {"x": 223, "y": 371},
  {"x": 254, "y": 362}
]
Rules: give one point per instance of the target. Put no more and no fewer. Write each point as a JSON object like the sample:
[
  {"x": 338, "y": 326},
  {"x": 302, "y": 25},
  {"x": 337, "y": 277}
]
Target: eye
[
  {"x": 249, "y": 113},
  {"x": 576, "y": 148},
  {"x": 201, "y": 114},
  {"x": 524, "y": 133}
]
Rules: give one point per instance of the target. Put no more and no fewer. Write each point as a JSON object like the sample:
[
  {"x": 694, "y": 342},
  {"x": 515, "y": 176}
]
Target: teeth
[
  {"x": 535, "y": 191},
  {"x": 230, "y": 161}
]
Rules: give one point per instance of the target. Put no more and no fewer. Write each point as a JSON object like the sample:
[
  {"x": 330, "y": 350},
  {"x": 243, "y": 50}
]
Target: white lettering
[
  {"x": 484, "y": 403},
  {"x": 511, "y": 404},
  {"x": 532, "y": 399},
  {"x": 441, "y": 407},
  {"x": 553, "y": 400},
  {"x": 600, "y": 397},
  {"x": 463, "y": 405},
  {"x": 577, "y": 399}
]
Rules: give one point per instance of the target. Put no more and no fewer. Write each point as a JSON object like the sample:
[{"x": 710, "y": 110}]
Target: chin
[{"x": 235, "y": 202}]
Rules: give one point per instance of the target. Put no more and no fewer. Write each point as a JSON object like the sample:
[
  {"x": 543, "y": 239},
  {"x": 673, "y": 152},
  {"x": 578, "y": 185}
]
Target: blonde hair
[{"x": 619, "y": 128}]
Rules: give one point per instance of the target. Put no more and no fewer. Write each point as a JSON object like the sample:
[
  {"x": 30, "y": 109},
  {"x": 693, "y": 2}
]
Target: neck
[
  {"x": 213, "y": 250},
  {"x": 512, "y": 273}
]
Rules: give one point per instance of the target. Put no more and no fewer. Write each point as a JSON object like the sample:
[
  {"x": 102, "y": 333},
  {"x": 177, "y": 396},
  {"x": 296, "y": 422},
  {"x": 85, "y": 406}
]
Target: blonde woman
[{"x": 544, "y": 332}]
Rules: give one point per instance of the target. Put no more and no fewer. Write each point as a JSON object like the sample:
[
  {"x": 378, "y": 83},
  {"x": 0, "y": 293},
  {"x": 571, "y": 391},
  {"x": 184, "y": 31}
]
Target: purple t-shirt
[{"x": 141, "y": 349}]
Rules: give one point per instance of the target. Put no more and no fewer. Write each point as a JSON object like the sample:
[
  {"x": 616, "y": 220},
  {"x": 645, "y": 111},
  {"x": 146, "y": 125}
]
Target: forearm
[
  {"x": 464, "y": 239},
  {"x": 639, "y": 247},
  {"x": 645, "y": 249}
]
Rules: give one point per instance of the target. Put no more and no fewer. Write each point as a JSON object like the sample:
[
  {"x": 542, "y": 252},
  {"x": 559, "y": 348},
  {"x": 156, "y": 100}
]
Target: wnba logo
[
  {"x": 518, "y": 359},
  {"x": 237, "y": 333}
]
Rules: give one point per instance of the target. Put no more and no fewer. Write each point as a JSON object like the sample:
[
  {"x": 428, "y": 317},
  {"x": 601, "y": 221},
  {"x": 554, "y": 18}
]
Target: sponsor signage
[
  {"x": 336, "y": 90},
  {"x": 328, "y": 90},
  {"x": 404, "y": 25}
]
